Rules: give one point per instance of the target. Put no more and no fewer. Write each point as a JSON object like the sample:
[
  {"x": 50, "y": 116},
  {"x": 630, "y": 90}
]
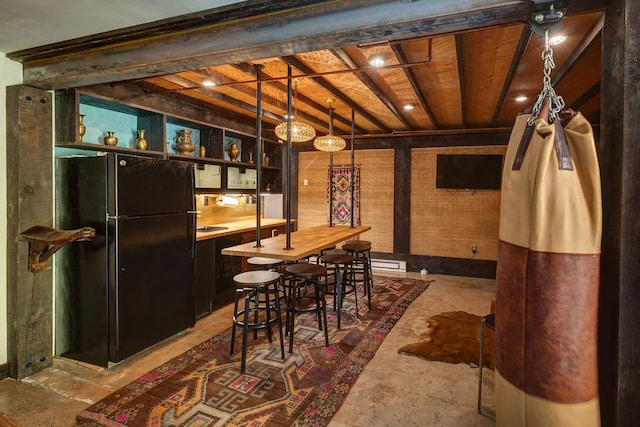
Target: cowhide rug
[{"x": 453, "y": 337}]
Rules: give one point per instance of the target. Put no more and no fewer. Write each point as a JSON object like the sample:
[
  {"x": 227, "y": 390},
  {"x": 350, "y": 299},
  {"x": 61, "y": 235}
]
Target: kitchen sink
[{"x": 211, "y": 228}]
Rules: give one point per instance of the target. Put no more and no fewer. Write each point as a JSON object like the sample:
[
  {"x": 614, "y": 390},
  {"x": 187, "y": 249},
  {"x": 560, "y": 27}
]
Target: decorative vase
[
  {"x": 110, "y": 139},
  {"x": 265, "y": 159},
  {"x": 251, "y": 157},
  {"x": 233, "y": 152},
  {"x": 184, "y": 145},
  {"x": 141, "y": 143},
  {"x": 203, "y": 151},
  {"x": 82, "y": 129}
]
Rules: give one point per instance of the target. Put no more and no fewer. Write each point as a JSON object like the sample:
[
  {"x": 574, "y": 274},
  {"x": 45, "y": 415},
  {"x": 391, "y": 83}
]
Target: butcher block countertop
[
  {"x": 242, "y": 226},
  {"x": 303, "y": 243}
]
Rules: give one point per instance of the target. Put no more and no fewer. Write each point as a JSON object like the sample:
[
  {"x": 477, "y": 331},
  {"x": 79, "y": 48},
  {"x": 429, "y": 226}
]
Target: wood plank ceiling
[
  {"x": 461, "y": 66},
  {"x": 456, "y": 82}
]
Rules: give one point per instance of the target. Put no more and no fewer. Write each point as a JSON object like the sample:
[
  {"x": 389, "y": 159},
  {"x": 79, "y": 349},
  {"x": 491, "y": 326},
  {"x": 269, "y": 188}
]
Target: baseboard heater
[
  {"x": 388, "y": 265},
  {"x": 381, "y": 264}
]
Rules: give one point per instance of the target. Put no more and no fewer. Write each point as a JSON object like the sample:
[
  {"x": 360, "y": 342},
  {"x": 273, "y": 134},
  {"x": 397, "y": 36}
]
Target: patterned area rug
[{"x": 204, "y": 387}]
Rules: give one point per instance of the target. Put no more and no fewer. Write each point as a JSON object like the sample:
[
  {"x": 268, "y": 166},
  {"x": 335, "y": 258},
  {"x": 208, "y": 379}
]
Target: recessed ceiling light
[
  {"x": 557, "y": 39},
  {"x": 409, "y": 107},
  {"x": 377, "y": 60},
  {"x": 208, "y": 83},
  {"x": 521, "y": 98}
]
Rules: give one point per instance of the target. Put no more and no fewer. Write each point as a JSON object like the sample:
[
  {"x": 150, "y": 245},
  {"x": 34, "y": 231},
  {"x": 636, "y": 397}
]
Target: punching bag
[{"x": 547, "y": 277}]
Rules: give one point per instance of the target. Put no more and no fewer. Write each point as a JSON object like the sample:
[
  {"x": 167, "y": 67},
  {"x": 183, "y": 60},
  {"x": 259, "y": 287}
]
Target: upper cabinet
[{"x": 94, "y": 122}]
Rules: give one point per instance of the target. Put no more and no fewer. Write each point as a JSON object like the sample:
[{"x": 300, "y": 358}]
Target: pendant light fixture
[
  {"x": 330, "y": 142},
  {"x": 300, "y": 132}
]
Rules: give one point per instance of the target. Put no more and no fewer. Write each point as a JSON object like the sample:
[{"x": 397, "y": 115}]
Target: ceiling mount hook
[{"x": 547, "y": 15}]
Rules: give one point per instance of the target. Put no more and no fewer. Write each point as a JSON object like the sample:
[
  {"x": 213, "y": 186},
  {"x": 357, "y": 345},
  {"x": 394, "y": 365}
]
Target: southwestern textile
[
  {"x": 204, "y": 387},
  {"x": 342, "y": 207}
]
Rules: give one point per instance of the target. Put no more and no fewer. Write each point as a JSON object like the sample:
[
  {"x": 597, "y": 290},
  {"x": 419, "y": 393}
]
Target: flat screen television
[{"x": 469, "y": 171}]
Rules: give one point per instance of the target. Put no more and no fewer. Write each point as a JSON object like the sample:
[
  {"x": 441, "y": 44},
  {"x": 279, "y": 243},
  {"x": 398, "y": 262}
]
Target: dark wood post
[
  {"x": 29, "y": 203},
  {"x": 402, "y": 200},
  {"x": 619, "y": 151}
]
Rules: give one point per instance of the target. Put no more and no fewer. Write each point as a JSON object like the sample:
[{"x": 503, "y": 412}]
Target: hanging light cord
[{"x": 556, "y": 103}]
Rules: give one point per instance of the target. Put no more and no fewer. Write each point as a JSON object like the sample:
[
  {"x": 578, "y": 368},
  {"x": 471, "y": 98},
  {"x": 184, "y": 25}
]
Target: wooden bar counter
[{"x": 304, "y": 242}]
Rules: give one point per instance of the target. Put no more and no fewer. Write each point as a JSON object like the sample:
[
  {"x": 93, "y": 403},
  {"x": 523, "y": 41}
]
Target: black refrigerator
[{"x": 133, "y": 284}]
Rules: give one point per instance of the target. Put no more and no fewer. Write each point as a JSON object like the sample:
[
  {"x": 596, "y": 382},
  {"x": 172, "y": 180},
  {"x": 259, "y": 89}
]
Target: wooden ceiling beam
[
  {"x": 266, "y": 99},
  {"x": 525, "y": 37},
  {"x": 582, "y": 99},
  {"x": 249, "y": 68},
  {"x": 402, "y": 58},
  {"x": 305, "y": 69},
  {"x": 217, "y": 96},
  {"x": 370, "y": 84},
  {"x": 577, "y": 53},
  {"x": 249, "y": 32}
]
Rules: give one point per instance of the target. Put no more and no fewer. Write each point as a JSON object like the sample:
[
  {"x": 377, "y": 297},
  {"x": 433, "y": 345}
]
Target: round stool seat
[
  {"x": 337, "y": 259},
  {"x": 356, "y": 246},
  {"x": 364, "y": 242},
  {"x": 306, "y": 270},
  {"x": 256, "y": 278},
  {"x": 490, "y": 321},
  {"x": 263, "y": 262}
]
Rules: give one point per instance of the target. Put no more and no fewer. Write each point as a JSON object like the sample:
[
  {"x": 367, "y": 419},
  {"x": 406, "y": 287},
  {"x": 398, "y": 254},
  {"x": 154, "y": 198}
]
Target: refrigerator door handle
[{"x": 191, "y": 202}]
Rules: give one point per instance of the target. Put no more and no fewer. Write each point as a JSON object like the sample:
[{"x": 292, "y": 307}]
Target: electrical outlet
[{"x": 474, "y": 249}]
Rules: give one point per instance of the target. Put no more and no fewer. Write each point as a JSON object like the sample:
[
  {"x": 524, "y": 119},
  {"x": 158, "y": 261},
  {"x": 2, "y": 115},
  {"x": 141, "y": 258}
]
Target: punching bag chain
[{"x": 556, "y": 103}]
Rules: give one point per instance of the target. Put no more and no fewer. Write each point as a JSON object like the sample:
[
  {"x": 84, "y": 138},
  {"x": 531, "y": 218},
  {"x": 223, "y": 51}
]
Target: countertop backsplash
[{"x": 212, "y": 213}]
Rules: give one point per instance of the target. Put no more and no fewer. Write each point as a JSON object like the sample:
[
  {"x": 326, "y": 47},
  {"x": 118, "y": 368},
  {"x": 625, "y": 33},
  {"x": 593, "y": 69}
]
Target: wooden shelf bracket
[{"x": 45, "y": 241}]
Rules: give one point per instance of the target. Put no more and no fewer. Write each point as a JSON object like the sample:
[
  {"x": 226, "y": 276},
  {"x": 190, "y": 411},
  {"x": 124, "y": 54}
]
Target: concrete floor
[{"x": 415, "y": 392}]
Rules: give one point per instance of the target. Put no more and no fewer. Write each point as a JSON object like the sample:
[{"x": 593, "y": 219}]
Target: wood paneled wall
[
  {"x": 376, "y": 188},
  {"x": 448, "y": 222}
]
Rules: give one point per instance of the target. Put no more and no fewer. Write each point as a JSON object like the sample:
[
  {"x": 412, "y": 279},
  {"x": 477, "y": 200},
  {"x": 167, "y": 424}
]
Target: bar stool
[
  {"x": 300, "y": 277},
  {"x": 335, "y": 263},
  {"x": 260, "y": 292},
  {"x": 489, "y": 321},
  {"x": 361, "y": 271},
  {"x": 322, "y": 253},
  {"x": 263, "y": 263}
]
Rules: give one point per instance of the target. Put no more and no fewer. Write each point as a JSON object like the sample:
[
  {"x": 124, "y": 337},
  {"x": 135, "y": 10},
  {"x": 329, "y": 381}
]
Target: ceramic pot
[{"x": 110, "y": 139}]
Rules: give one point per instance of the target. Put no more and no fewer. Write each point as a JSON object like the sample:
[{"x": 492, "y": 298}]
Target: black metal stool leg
[
  {"x": 303, "y": 276},
  {"x": 257, "y": 288},
  {"x": 483, "y": 410},
  {"x": 245, "y": 332},
  {"x": 278, "y": 312}
]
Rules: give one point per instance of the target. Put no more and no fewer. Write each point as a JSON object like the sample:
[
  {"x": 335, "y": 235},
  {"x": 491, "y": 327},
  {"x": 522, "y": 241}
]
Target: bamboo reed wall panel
[
  {"x": 376, "y": 188},
  {"x": 448, "y": 222}
]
